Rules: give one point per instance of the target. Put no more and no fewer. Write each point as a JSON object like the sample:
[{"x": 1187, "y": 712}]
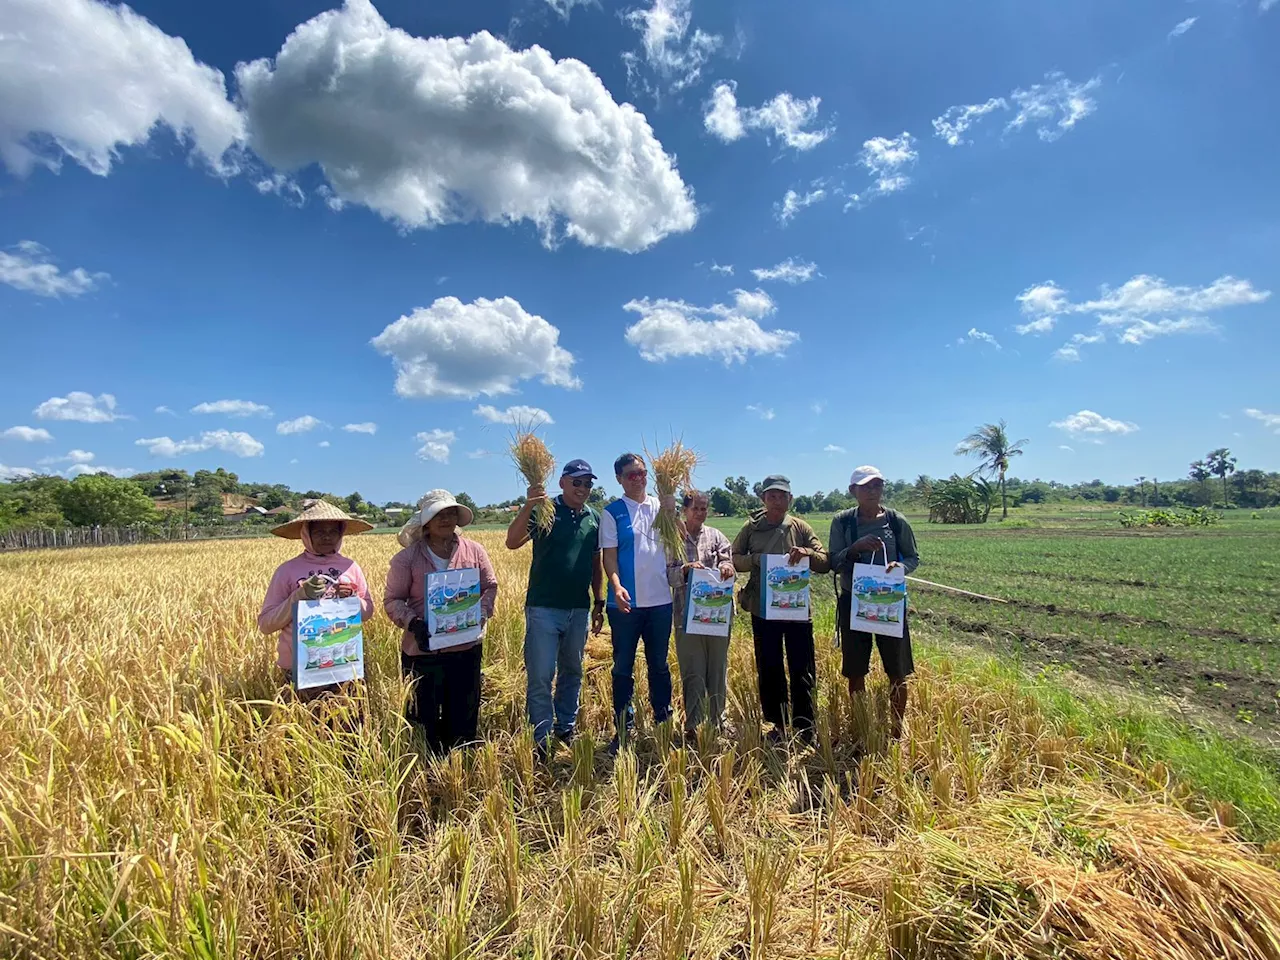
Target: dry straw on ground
[
  {"x": 536, "y": 464},
  {"x": 160, "y": 797}
]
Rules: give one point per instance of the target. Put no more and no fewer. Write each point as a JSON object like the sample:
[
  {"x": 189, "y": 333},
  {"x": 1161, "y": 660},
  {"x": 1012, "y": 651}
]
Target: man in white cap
[{"x": 857, "y": 535}]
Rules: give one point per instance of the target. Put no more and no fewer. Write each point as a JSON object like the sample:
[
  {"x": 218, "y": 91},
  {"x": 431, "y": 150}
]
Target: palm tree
[
  {"x": 1143, "y": 481},
  {"x": 990, "y": 442},
  {"x": 1221, "y": 463},
  {"x": 1200, "y": 473}
]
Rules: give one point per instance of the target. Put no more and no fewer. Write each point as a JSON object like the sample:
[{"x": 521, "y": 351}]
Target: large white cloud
[
  {"x": 30, "y": 267},
  {"x": 785, "y": 117},
  {"x": 516, "y": 416},
  {"x": 435, "y": 131},
  {"x": 81, "y": 406},
  {"x": 15, "y": 473},
  {"x": 84, "y": 79},
  {"x": 1139, "y": 310},
  {"x": 672, "y": 328},
  {"x": 79, "y": 457},
  {"x": 673, "y": 54},
  {"x": 456, "y": 349},
  {"x": 435, "y": 444},
  {"x": 1090, "y": 425},
  {"x": 233, "y": 442},
  {"x": 28, "y": 434},
  {"x": 233, "y": 408}
]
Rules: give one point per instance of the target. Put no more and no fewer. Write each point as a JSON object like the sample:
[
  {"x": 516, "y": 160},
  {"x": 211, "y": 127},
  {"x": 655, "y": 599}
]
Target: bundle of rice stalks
[
  {"x": 673, "y": 473},
  {"x": 536, "y": 464}
]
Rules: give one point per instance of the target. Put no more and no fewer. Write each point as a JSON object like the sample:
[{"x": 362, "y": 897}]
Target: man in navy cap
[{"x": 566, "y": 580}]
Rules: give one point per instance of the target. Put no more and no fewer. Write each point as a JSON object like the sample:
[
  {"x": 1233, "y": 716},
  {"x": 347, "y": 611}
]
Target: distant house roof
[
  {"x": 390, "y": 510},
  {"x": 278, "y": 511}
]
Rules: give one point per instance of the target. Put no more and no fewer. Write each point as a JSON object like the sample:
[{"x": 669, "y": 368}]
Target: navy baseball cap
[{"x": 577, "y": 468}]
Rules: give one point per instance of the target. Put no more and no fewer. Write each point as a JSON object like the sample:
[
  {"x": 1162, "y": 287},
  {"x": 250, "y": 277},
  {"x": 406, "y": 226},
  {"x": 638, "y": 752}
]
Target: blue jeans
[
  {"x": 553, "y": 644},
  {"x": 653, "y": 624}
]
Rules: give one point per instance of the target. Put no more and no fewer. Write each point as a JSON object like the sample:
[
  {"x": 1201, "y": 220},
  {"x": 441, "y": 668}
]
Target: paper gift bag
[
  {"x": 453, "y": 607},
  {"x": 878, "y": 600},
  {"x": 784, "y": 588},
  {"x": 328, "y": 642},
  {"x": 708, "y": 604}
]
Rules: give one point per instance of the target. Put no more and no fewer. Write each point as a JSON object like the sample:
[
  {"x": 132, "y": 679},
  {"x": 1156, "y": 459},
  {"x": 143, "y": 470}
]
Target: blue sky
[{"x": 296, "y": 221}]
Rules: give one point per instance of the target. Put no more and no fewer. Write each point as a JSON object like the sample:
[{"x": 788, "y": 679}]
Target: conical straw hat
[{"x": 319, "y": 510}]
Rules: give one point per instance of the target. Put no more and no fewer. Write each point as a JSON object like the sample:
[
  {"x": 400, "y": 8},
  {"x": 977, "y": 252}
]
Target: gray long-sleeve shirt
[{"x": 847, "y": 527}]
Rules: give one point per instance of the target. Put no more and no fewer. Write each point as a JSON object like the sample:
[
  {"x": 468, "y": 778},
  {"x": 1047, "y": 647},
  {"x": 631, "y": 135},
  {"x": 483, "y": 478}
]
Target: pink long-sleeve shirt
[
  {"x": 277, "y": 608},
  {"x": 407, "y": 579}
]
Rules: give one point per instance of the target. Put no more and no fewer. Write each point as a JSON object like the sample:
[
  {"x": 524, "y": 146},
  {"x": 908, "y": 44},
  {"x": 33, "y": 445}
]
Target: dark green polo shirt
[{"x": 560, "y": 575}]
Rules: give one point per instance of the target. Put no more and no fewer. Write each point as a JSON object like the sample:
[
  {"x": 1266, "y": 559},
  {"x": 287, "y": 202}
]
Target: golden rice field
[{"x": 161, "y": 797}]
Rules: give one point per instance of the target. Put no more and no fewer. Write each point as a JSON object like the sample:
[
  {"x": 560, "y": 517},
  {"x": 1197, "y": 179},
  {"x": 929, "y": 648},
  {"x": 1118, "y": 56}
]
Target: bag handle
[{"x": 884, "y": 552}]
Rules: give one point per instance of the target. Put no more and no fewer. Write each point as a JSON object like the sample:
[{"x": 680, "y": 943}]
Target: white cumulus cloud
[
  {"x": 232, "y": 408},
  {"x": 80, "y": 457},
  {"x": 887, "y": 159},
  {"x": 462, "y": 350},
  {"x": 764, "y": 413},
  {"x": 790, "y": 271},
  {"x": 84, "y": 79},
  {"x": 979, "y": 336},
  {"x": 81, "y": 406},
  {"x": 785, "y": 118},
  {"x": 1090, "y": 426},
  {"x": 235, "y": 443},
  {"x": 1053, "y": 107},
  {"x": 15, "y": 473},
  {"x": 513, "y": 416},
  {"x": 673, "y": 328},
  {"x": 435, "y": 444},
  {"x": 303, "y": 424},
  {"x": 671, "y": 52},
  {"x": 369, "y": 428},
  {"x": 28, "y": 434},
  {"x": 29, "y": 266},
  {"x": 1139, "y": 310},
  {"x": 445, "y": 130}
]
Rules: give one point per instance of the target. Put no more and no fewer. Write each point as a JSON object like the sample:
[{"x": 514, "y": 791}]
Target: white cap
[{"x": 863, "y": 474}]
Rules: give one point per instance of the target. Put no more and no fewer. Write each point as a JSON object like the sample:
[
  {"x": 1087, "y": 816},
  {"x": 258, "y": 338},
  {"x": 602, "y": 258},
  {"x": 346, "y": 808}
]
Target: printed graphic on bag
[
  {"x": 879, "y": 599},
  {"x": 710, "y": 605},
  {"x": 328, "y": 642},
  {"x": 786, "y": 588}
]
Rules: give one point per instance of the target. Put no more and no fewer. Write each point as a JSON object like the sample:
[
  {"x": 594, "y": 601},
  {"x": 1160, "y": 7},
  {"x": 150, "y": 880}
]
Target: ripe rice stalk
[
  {"x": 536, "y": 464},
  {"x": 673, "y": 474}
]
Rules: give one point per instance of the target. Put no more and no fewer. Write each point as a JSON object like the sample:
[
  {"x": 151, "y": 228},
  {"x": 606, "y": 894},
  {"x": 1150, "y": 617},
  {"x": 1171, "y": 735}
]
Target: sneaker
[{"x": 565, "y": 737}]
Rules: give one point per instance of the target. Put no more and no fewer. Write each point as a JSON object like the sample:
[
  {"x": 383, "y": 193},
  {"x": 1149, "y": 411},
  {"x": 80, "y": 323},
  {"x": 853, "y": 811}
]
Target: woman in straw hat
[
  {"x": 320, "y": 571},
  {"x": 446, "y": 692}
]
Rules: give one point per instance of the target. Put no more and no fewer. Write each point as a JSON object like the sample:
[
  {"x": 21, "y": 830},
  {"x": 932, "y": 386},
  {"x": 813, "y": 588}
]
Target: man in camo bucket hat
[
  {"x": 445, "y": 700},
  {"x": 320, "y": 571}
]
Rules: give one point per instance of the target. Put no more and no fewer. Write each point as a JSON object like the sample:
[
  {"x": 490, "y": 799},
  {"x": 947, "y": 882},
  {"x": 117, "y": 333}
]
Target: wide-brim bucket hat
[
  {"x": 313, "y": 510},
  {"x": 432, "y": 503}
]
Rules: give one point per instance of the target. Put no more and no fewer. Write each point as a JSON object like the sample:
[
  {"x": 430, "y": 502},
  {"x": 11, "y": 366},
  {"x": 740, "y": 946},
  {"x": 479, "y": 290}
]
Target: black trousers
[
  {"x": 445, "y": 697},
  {"x": 789, "y": 641}
]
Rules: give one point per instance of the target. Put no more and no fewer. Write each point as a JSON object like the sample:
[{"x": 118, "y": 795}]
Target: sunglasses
[
  {"x": 635, "y": 475},
  {"x": 578, "y": 482}
]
